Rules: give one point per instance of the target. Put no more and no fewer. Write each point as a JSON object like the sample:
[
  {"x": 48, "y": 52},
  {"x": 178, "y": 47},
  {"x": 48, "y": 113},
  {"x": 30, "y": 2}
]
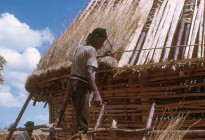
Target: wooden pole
[
  {"x": 62, "y": 110},
  {"x": 101, "y": 130},
  {"x": 187, "y": 132},
  {"x": 100, "y": 116},
  {"x": 188, "y": 26},
  {"x": 179, "y": 39},
  {"x": 29, "y": 128},
  {"x": 139, "y": 45},
  {"x": 19, "y": 117},
  {"x": 149, "y": 121}
]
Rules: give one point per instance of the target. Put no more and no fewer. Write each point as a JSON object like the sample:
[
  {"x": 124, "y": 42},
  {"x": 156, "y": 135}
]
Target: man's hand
[
  {"x": 108, "y": 53},
  {"x": 97, "y": 99}
]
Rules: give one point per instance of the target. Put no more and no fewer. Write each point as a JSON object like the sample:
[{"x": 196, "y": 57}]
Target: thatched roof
[
  {"x": 2, "y": 62},
  {"x": 142, "y": 32}
]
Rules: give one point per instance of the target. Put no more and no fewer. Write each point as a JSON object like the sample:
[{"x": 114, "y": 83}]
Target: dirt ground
[{"x": 37, "y": 135}]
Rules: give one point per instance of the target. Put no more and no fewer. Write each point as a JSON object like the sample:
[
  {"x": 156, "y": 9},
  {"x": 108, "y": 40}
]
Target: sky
[{"x": 27, "y": 29}]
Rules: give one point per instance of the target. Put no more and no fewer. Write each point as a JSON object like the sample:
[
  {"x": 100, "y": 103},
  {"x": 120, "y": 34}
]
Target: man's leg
[{"x": 81, "y": 106}]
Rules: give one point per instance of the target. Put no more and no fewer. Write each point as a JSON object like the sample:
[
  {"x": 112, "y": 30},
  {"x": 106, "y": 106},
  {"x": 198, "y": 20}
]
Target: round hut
[{"x": 158, "y": 48}]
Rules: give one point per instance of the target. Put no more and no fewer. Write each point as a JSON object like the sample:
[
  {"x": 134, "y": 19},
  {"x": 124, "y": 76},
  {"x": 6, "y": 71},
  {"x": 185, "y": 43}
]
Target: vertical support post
[
  {"x": 149, "y": 121},
  {"x": 19, "y": 117}
]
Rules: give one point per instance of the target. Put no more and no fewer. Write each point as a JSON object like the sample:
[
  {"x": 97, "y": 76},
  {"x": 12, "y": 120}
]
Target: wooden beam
[{"x": 19, "y": 117}]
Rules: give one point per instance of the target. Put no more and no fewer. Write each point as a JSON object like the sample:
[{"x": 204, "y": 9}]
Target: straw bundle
[
  {"x": 2, "y": 63},
  {"x": 167, "y": 128}
]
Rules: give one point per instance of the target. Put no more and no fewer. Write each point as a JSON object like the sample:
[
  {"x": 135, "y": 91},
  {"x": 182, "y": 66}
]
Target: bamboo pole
[
  {"x": 149, "y": 121},
  {"x": 187, "y": 132},
  {"x": 152, "y": 33},
  {"x": 100, "y": 130},
  {"x": 186, "y": 37},
  {"x": 169, "y": 20},
  {"x": 19, "y": 117},
  {"x": 179, "y": 39},
  {"x": 159, "y": 30},
  {"x": 145, "y": 7},
  {"x": 29, "y": 128},
  {"x": 139, "y": 45},
  {"x": 201, "y": 36},
  {"x": 175, "y": 21},
  {"x": 191, "y": 31},
  {"x": 196, "y": 27},
  {"x": 100, "y": 116}
]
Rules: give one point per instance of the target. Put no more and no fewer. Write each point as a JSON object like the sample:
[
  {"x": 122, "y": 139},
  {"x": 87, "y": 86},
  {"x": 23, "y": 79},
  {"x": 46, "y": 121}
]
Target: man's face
[{"x": 99, "y": 41}]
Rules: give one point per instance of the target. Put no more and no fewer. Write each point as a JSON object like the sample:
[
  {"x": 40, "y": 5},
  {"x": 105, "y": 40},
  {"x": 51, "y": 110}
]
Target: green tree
[{"x": 2, "y": 63}]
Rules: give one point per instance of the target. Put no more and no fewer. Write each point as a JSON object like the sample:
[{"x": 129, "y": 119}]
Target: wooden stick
[
  {"x": 201, "y": 36},
  {"x": 175, "y": 20},
  {"x": 100, "y": 116},
  {"x": 152, "y": 33},
  {"x": 139, "y": 45},
  {"x": 186, "y": 37},
  {"x": 179, "y": 39},
  {"x": 191, "y": 30},
  {"x": 170, "y": 19},
  {"x": 29, "y": 128},
  {"x": 146, "y": 5},
  {"x": 99, "y": 130},
  {"x": 118, "y": 130},
  {"x": 150, "y": 118},
  {"x": 62, "y": 109},
  {"x": 187, "y": 132},
  {"x": 19, "y": 117}
]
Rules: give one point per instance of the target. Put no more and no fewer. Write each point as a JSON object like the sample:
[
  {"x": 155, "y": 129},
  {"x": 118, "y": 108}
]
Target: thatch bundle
[{"x": 2, "y": 63}]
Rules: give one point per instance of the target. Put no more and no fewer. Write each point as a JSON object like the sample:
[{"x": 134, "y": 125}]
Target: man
[
  {"x": 82, "y": 79},
  {"x": 26, "y": 135}
]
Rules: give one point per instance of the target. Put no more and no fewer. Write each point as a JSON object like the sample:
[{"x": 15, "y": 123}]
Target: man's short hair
[
  {"x": 29, "y": 124},
  {"x": 100, "y": 31}
]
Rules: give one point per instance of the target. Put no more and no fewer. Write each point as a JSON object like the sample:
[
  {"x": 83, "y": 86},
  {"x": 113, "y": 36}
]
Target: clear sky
[{"x": 27, "y": 28}]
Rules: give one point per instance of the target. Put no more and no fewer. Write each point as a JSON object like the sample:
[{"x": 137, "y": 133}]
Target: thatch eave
[{"x": 37, "y": 80}]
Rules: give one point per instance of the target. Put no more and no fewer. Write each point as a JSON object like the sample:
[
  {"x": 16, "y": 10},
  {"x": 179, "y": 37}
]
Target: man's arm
[
  {"x": 91, "y": 81},
  {"x": 108, "y": 53}
]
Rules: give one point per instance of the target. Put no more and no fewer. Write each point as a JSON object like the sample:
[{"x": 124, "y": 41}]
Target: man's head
[
  {"x": 97, "y": 38},
  {"x": 28, "y": 125}
]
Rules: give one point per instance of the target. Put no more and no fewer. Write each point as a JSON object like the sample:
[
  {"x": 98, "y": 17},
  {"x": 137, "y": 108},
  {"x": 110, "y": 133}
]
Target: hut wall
[{"x": 129, "y": 96}]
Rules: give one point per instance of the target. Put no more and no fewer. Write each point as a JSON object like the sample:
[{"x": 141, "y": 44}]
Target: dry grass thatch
[
  {"x": 167, "y": 128},
  {"x": 97, "y": 14},
  {"x": 2, "y": 63}
]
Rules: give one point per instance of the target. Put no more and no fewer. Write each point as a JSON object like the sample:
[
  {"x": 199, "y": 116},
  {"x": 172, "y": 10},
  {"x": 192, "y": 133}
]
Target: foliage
[{"x": 2, "y": 63}]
